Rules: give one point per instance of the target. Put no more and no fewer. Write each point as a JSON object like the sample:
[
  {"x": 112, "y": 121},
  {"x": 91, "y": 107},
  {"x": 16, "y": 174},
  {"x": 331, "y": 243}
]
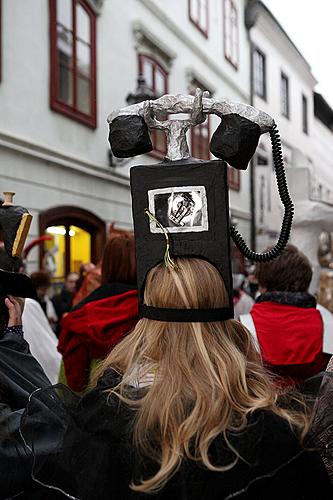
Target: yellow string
[{"x": 167, "y": 258}]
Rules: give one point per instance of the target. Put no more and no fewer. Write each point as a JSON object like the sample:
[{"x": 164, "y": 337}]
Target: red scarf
[
  {"x": 92, "y": 331},
  {"x": 290, "y": 339}
]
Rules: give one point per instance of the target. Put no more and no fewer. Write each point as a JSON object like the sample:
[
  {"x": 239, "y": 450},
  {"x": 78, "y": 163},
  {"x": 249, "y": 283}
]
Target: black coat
[{"x": 82, "y": 446}]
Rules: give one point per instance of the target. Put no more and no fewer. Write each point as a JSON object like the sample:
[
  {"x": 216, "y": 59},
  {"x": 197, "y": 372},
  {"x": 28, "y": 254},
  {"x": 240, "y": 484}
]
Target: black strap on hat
[{"x": 185, "y": 315}]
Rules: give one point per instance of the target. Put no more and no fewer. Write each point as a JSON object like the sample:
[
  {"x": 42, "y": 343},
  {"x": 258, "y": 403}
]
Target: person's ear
[
  {"x": 129, "y": 136},
  {"x": 235, "y": 140}
]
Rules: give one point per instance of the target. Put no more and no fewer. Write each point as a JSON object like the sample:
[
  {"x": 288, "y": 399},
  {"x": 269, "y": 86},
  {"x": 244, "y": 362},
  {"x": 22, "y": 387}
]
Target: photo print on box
[{"x": 180, "y": 209}]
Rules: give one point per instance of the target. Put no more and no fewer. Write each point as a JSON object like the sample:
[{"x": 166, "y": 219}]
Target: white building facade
[
  {"x": 77, "y": 61},
  {"x": 283, "y": 86}
]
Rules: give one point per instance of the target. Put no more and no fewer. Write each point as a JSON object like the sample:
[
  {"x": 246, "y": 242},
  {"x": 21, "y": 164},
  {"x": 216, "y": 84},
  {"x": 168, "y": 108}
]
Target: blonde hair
[{"x": 208, "y": 376}]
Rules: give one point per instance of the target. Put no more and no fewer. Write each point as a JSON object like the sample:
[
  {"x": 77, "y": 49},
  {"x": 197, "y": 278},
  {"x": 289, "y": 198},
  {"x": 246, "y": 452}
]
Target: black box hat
[{"x": 190, "y": 199}]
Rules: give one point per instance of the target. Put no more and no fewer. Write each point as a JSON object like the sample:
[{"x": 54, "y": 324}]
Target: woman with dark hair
[
  {"x": 101, "y": 320},
  {"x": 180, "y": 410}
]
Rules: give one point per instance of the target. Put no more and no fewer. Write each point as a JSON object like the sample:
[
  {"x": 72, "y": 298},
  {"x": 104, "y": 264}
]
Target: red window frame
[
  {"x": 200, "y": 141},
  {"x": 156, "y": 135},
  {"x": 234, "y": 181},
  {"x": 231, "y": 28},
  {"x": 200, "y": 134},
  {"x": 56, "y": 104},
  {"x": 200, "y": 23}
]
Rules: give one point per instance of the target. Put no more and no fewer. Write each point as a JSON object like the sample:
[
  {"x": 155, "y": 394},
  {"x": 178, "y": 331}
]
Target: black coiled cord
[{"x": 286, "y": 201}]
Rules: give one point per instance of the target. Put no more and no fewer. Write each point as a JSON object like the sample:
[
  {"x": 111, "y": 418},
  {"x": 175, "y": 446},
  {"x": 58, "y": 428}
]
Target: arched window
[
  {"x": 73, "y": 59},
  {"x": 78, "y": 237},
  {"x": 157, "y": 80}
]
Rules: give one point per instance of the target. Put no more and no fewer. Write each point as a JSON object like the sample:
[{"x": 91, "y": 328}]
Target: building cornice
[
  {"x": 193, "y": 74},
  {"x": 204, "y": 56},
  {"x": 144, "y": 37},
  {"x": 240, "y": 213},
  {"x": 52, "y": 156}
]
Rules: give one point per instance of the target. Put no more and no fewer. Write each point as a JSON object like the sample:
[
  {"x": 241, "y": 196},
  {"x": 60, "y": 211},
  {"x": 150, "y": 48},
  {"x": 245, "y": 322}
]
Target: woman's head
[
  {"x": 194, "y": 283},
  {"x": 290, "y": 272},
  {"x": 118, "y": 262},
  {"x": 207, "y": 376}
]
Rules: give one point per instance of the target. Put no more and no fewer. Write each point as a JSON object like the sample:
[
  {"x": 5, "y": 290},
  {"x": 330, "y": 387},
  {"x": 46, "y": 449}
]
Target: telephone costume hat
[
  {"x": 66, "y": 446},
  {"x": 180, "y": 206}
]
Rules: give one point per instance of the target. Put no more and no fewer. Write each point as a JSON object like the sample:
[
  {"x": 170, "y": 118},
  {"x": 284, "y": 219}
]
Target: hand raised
[{"x": 15, "y": 307}]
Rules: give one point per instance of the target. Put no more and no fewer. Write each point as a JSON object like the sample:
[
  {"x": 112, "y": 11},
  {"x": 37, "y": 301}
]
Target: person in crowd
[
  {"x": 180, "y": 410},
  {"x": 62, "y": 302},
  {"x": 243, "y": 302},
  {"x": 101, "y": 320},
  {"x": 42, "y": 282},
  {"x": 37, "y": 330},
  {"x": 293, "y": 334},
  {"x": 89, "y": 280},
  {"x": 251, "y": 285}
]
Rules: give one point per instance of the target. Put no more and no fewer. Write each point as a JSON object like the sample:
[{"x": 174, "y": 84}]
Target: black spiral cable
[{"x": 286, "y": 201}]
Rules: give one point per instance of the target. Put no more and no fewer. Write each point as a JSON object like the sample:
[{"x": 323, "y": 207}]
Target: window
[
  {"x": 305, "y": 114},
  {"x": 233, "y": 178},
  {"x": 198, "y": 15},
  {"x": 284, "y": 95},
  {"x": 259, "y": 74},
  {"x": 157, "y": 80},
  {"x": 231, "y": 32},
  {"x": 73, "y": 59},
  {"x": 200, "y": 134}
]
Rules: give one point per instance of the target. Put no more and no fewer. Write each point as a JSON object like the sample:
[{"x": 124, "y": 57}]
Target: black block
[
  {"x": 129, "y": 136},
  {"x": 235, "y": 140},
  {"x": 208, "y": 237}
]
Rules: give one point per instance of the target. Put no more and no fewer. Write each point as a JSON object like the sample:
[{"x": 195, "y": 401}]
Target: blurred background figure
[
  {"x": 103, "y": 318},
  {"x": 62, "y": 301},
  {"x": 41, "y": 338},
  {"x": 37, "y": 330},
  {"x": 251, "y": 285},
  {"x": 89, "y": 280},
  {"x": 243, "y": 302},
  {"x": 294, "y": 335},
  {"x": 325, "y": 258},
  {"x": 42, "y": 282}
]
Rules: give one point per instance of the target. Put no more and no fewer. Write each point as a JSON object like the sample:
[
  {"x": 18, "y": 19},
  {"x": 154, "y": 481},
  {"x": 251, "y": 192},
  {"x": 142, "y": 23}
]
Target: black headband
[{"x": 186, "y": 315}]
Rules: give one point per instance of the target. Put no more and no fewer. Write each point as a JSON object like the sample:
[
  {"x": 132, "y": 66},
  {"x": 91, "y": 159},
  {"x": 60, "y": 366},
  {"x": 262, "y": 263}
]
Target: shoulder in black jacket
[{"x": 83, "y": 447}]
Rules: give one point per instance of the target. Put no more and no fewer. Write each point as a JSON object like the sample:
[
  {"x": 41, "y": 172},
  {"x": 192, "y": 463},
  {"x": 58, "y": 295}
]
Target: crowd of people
[{"x": 184, "y": 410}]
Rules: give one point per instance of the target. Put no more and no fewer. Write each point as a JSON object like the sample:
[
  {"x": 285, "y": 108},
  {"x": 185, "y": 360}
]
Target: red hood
[
  {"x": 288, "y": 335},
  {"x": 92, "y": 331}
]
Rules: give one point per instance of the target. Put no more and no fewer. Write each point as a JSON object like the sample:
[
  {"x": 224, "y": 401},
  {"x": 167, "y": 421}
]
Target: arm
[{"x": 20, "y": 373}]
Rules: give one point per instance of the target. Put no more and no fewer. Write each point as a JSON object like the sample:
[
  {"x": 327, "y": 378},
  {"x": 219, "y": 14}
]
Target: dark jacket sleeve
[
  {"x": 20, "y": 375},
  {"x": 20, "y": 372}
]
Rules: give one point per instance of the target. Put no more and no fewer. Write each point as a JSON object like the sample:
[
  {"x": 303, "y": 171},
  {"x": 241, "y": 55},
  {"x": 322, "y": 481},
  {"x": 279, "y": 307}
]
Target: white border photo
[{"x": 180, "y": 209}]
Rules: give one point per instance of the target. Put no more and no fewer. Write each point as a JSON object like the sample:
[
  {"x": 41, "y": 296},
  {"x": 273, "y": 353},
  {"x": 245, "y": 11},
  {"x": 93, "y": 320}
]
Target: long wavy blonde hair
[{"x": 207, "y": 377}]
